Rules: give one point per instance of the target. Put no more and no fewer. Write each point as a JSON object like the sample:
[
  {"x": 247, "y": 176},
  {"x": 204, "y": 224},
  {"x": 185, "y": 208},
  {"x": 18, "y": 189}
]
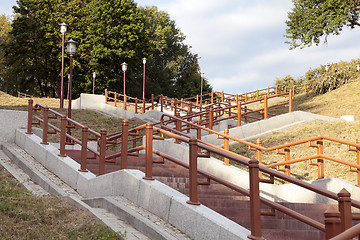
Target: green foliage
[
  {"x": 109, "y": 33},
  {"x": 310, "y": 20},
  {"x": 322, "y": 81},
  {"x": 337, "y": 75}
]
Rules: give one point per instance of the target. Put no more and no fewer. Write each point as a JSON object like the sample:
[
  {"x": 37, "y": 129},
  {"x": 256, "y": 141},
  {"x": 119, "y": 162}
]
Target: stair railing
[
  {"x": 343, "y": 197},
  {"x": 314, "y": 142},
  {"x": 61, "y": 127}
]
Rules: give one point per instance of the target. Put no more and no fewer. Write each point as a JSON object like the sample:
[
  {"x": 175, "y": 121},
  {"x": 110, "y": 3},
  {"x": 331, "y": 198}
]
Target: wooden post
[
  {"x": 239, "y": 114},
  {"x": 152, "y": 101},
  {"x": 162, "y": 103},
  {"x": 62, "y": 136},
  {"x": 115, "y": 97},
  {"x": 266, "y": 107},
  {"x": 30, "y": 114},
  {"x": 287, "y": 158},
  {"x": 103, "y": 133},
  {"x": 344, "y": 204},
  {"x": 144, "y": 106},
  {"x": 259, "y": 154},
  {"x": 106, "y": 96},
  {"x": 45, "y": 125},
  {"x": 290, "y": 101},
  {"x": 211, "y": 118},
  {"x": 332, "y": 223},
  {"x": 124, "y": 143},
  {"x": 84, "y": 140},
  {"x": 222, "y": 96},
  {"x": 226, "y": 146},
  {"x": 193, "y": 153},
  {"x": 255, "y": 213},
  {"x": 320, "y": 161},
  {"x": 358, "y": 162},
  {"x": 212, "y": 97},
  {"x": 148, "y": 152},
  {"x": 136, "y": 105}
]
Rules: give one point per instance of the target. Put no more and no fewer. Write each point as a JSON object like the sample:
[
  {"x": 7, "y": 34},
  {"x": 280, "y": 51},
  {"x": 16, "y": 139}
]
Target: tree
[
  {"x": 5, "y": 38},
  {"x": 173, "y": 69},
  {"x": 110, "y": 32},
  {"x": 311, "y": 20}
]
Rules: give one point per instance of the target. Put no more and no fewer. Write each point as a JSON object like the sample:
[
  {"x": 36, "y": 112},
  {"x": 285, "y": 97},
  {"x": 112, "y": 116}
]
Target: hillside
[{"x": 342, "y": 101}]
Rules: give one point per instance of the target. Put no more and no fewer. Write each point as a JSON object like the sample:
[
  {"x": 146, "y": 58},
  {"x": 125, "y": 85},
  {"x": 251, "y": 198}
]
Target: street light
[
  {"x": 94, "y": 76},
  {"x": 201, "y": 87},
  {"x": 124, "y": 68},
  {"x": 144, "y": 62},
  {"x": 71, "y": 50},
  {"x": 63, "y": 29}
]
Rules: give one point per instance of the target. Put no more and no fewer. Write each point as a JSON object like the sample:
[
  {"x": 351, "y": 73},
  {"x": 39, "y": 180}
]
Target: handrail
[
  {"x": 257, "y": 147},
  {"x": 349, "y": 233},
  {"x": 195, "y": 147},
  {"x": 241, "y": 160}
]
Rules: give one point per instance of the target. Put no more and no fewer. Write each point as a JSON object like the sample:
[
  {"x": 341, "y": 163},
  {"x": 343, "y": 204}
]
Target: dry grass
[
  {"x": 342, "y": 101},
  {"x": 26, "y": 216}
]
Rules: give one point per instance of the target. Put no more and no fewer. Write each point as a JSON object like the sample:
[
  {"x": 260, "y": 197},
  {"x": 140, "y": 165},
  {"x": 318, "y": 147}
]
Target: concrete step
[{"x": 155, "y": 227}]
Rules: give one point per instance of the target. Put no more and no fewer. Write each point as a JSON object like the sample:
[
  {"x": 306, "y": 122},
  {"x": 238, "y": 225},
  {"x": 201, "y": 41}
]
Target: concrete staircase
[{"x": 227, "y": 202}]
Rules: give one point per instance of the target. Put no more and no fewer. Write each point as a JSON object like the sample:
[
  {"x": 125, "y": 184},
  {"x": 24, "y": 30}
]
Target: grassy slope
[{"x": 342, "y": 101}]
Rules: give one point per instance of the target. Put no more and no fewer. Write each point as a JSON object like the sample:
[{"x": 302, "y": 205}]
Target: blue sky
[{"x": 242, "y": 44}]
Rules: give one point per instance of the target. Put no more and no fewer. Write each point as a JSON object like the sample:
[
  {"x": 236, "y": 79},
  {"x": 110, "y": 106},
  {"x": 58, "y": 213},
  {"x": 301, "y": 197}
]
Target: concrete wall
[
  {"x": 10, "y": 121},
  {"x": 198, "y": 222},
  {"x": 274, "y": 192}
]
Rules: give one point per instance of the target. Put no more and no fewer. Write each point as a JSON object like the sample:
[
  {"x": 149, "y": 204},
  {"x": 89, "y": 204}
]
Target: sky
[{"x": 241, "y": 44}]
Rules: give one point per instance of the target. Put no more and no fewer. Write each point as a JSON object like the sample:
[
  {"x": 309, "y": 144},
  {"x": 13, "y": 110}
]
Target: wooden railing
[
  {"x": 336, "y": 221},
  {"x": 24, "y": 95},
  {"x": 183, "y": 126},
  {"x": 215, "y": 97}
]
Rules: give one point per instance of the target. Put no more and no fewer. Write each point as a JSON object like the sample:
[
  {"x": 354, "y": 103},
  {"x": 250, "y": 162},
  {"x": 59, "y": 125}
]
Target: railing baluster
[
  {"x": 344, "y": 203},
  {"x": 124, "y": 143},
  {"x": 103, "y": 133},
  {"x": 45, "y": 125},
  {"x": 332, "y": 223},
  {"x": 62, "y": 136},
  {"x": 148, "y": 152},
  {"x": 193, "y": 153},
  {"x": 30, "y": 115},
  {"x": 255, "y": 212},
  {"x": 84, "y": 141}
]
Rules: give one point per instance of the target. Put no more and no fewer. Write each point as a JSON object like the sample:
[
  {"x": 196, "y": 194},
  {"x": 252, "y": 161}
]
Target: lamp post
[
  {"x": 71, "y": 50},
  {"x": 201, "y": 87},
  {"x": 144, "y": 62},
  {"x": 63, "y": 29},
  {"x": 94, "y": 76},
  {"x": 124, "y": 68}
]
